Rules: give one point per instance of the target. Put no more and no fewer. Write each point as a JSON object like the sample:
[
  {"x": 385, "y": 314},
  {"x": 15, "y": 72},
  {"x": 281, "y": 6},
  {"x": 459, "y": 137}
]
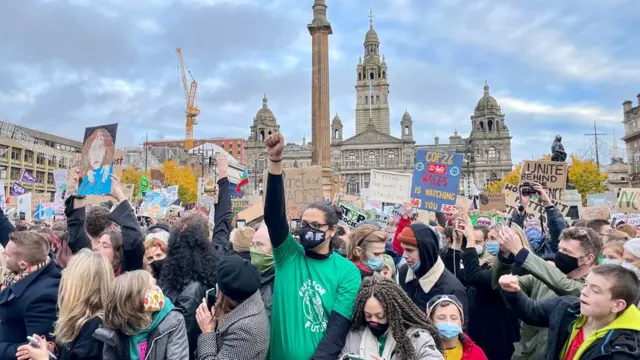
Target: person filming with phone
[{"x": 233, "y": 319}]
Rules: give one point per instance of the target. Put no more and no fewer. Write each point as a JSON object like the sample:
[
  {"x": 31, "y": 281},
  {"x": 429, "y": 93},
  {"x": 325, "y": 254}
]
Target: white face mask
[{"x": 479, "y": 249}]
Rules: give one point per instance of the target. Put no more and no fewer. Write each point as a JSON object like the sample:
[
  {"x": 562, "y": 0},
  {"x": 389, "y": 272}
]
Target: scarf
[
  {"x": 369, "y": 345},
  {"x": 11, "y": 278}
]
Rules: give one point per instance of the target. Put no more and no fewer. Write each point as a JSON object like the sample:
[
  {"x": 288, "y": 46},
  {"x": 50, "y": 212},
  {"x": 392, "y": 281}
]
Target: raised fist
[
  {"x": 275, "y": 146},
  {"x": 509, "y": 283}
]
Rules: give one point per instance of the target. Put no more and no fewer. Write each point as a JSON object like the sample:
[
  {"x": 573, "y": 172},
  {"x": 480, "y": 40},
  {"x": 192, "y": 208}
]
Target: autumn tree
[
  {"x": 513, "y": 177},
  {"x": 586, "y": 177},
  {"x": 185, "y": 178},
  {"x": 131, "y": 175}
]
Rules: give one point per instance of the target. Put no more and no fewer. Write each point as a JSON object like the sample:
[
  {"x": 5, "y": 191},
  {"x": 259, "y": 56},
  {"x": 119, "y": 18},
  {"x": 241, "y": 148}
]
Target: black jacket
[
  {"x": 447, "y": 283},
  {"x": 84, "y": 347},
  {"x": 222, "y": 220},
  {"x": 555, "y": 223},
  {"x": 28, "y": 307},
  {"x": 266, "y": 289},
  {"x": 487, "y": 307},
  {"x": 559, "y": 315},
  {"x": 6, "y": 228},
  {"x": 124, "y": 216}
]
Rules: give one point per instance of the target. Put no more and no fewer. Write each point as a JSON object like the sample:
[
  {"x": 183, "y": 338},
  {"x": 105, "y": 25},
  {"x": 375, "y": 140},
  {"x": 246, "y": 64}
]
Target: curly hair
[
  {"x": 190, "y": 256},
  {"x": 401, "y": 313},
  {"x": 97, "y": 221}
]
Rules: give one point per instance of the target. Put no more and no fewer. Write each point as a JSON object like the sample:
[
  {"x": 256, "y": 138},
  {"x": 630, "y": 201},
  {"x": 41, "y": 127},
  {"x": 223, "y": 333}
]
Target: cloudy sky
[{"x": 554, "y": 66}]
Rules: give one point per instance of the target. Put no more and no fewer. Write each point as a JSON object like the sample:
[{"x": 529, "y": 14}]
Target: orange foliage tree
[
  {"x": 185, "y": 178},
  {"x": 131, "y": 175}
]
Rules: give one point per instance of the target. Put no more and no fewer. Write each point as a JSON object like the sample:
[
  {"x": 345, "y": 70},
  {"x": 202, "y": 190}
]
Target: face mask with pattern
[{"x": 154, "y": 300}]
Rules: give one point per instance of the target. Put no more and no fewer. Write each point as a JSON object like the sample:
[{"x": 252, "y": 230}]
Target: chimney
[{"x": 627, "y": 105}]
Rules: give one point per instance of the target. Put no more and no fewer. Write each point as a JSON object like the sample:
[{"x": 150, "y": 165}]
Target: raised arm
[
  {"x": 125, "y": 216},
  {"x": 275, "y": 211},
  {"x": 223, "y": 214}
]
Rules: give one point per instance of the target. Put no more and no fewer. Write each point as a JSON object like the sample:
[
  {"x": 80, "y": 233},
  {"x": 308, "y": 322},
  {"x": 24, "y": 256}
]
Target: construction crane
[{"x": 190, "y": 95}]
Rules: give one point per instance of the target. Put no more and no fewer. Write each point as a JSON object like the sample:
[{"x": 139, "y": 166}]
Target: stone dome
[
  {"x": 265, "y": 115},
  {"x": 406, "y": 116},
  {"x": 487, "y": 101},
  {"x": 372, "y": 36},
  {"x": 336, "y": 121}
]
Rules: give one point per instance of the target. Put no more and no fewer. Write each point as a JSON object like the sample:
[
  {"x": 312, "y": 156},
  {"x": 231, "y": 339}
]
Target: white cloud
[
  {"x": 150, "y": 26},
  {"x": 586, "y": 113}
]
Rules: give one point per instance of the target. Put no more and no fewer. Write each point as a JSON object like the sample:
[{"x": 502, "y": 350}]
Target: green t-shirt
[{"x": 305, "y": 292}]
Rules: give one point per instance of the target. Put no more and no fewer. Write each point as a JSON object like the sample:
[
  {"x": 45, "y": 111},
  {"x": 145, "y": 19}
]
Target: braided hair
[{"x": 401, "y": 313}]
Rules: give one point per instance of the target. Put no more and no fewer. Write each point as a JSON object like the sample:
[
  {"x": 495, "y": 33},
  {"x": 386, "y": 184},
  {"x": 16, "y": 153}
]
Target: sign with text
[
  {"x": 487, "y": 220},
  {"x": 461, "y": 202},
  {"x": 633, "y": 219},
  {"x": 492, "y": 201},
  {"x": 534, "y": 209},
  {"x": 237, "y": 205},
  {"x": 608, "y": 199},
  {"x": 436, "y": 179},
  {"x": 351, "y": 215},
  {"x": 629, "y": 201},
  {"x": 595, "y": 213},
  {"x": 389, "y": 186},
  {"x": 552, "y": 175},
  {"x": 302, "y": 186}
]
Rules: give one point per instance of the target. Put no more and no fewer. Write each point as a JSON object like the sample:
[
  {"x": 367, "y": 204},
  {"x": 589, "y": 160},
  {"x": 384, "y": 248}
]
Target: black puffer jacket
[{"x": 430, "y": 262}]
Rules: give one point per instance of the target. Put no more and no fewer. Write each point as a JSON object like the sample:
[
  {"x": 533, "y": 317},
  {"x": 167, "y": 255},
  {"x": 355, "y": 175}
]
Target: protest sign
[
  {"x": 633, "y": 219},
  {"x": 607, "y": 198},
  {"x": 595, "y": 213},
  {"x": 492, "y": 201},
  {"x": 127, "y": 189},
  {"x": 552, "y": 175},
  {"x": 302, "y": 186},
  {"x": 389, "y": 186},
  {"x": 534, "y": 209},
  {"x": 252, "y": 213},
  {"x": 37, "y": 198},
  {"x": 461, "y": 202},
  {"x": 436, "y": 179},
  {"x": 484, "y": 219},
  {"x": 352, "y": 215},
  {"x": 629, "y": 201},
  {"x": 237, "y": 205}
]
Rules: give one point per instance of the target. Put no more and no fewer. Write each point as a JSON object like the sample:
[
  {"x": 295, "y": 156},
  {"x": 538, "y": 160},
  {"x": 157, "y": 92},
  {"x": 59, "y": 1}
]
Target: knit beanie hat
[
  {"x": 237, "y": 278},
  {"x": 241, "y": 239},
  {"x": 407, "y": 236},
  {"x": 439, "y": 299}
]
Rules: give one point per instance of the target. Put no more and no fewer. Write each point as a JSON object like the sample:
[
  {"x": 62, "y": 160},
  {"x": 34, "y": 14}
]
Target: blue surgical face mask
[
  {"x": 534, "y": 235},
  {"x": 630, "y": 266},
  {"x": 448, "y": 330},
  {"x": 606, "y": 261},
  {"x": 493, "y": 247},
  {"x": 375, "y": 264},
  {"x": 415, "y": 266}
]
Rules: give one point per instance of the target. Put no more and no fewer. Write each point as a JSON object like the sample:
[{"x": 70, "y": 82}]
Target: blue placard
[
  {"x": 436, "y": 180},
  {"x": 233, "y": 193}
]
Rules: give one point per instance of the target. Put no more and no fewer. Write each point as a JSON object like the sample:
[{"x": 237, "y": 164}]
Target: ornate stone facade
[
  {"x": 632, "y": 139},
  {"x": 487, "y": 150}
]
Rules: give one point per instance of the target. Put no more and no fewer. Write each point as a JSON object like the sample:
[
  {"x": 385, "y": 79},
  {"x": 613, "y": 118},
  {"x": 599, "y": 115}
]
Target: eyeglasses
[{"x": 313, "y": 225}]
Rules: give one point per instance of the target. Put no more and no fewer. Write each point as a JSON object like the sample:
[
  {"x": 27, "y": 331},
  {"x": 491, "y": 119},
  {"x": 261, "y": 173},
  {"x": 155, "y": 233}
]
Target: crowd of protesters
[{"x": 100, "y": 286}]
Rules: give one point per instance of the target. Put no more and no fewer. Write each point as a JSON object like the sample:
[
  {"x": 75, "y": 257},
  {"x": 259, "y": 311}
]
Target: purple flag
[
  {"x": 16, "y": 189},
  {"x": 25, "y": 176}
]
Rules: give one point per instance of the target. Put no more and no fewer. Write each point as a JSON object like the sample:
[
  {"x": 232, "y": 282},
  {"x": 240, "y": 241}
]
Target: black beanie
[{"x": 237, "y": 278}]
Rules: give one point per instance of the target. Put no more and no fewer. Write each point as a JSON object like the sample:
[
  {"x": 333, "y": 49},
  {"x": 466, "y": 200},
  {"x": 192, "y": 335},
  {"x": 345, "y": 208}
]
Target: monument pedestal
[{"x": 327, "y": 183}]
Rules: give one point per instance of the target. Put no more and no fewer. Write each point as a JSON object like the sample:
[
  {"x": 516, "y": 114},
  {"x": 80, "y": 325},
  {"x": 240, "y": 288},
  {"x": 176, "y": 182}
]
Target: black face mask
[
  {"x": 378, "y": 329},
  {"x": 311, "y": 238},
  {"x": 566, "y": 263},
  {"x": 156, "y": 267}
]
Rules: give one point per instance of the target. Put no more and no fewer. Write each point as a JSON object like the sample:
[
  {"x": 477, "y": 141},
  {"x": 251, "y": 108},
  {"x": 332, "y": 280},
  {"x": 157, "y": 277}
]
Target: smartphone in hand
[
  {"x": 35, "y": 343},
  {"x": 240, "y": 223},
  {"x": 211, "y": 296}
]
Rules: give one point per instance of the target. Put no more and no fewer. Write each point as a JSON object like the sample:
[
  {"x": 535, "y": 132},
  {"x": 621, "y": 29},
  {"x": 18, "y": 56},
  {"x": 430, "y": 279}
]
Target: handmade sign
[
  {"x": 534, "y": 209},
  {"x": 37, "y": 198},
  {"x": 484, "y": 219},
  {"x": 238, "y": 205},
  {"x": 492, "y": 201},
  {"x": 461, "y": 202},
  {"x": 436, "y": 179},
  {"x": 351, "y": 215},
  {"x": 302, "y": 186},
  {"x": 595, "y": 213},
  {"x": 252, "y": 213},
  {"x": 629, "y": 201},
  {"x": 607, "y": 198},
  {"x": 389, "y": 186},
  {"x": 127, "y": 189},
  {"x": 552, "y": 175},
  {"x": 24, "y": 206},
  {"x": 98, "y": 155},
  {"x": 633, "y": 219}
]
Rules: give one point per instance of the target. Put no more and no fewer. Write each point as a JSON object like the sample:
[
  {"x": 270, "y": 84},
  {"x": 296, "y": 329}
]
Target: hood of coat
[{"x": 428, "y": 247}]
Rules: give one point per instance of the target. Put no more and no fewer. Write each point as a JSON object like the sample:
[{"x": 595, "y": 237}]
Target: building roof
[
  {"x": 487, "y": 101},
  {"x": 51, "y": 137},
  {"x": 264, "y": 114}
]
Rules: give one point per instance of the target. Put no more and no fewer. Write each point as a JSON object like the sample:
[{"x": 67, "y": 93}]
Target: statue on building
[{"x": 557, "y": 150}]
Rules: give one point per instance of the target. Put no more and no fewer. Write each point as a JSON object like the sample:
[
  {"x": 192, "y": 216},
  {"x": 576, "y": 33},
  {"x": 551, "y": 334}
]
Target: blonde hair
[
  {"x": 125, "y": 306},
  {"x": 83, "y": 293},
  {"x": 361, "y": 237},
  {"x": 490, "y": 259},
  {"x": 617, "y": 245},
  {"x": 618, "y": 235}
]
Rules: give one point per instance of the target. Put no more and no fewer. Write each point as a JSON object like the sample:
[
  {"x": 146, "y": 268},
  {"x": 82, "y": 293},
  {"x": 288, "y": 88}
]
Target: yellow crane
[{"x": 190, "y": 94}]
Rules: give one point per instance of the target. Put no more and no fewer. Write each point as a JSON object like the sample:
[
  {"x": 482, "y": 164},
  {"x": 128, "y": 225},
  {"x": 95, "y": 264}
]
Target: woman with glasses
[
  {"x": 387, "y": 325},
  {"x": 315, "y": 288},
  {"x": 447, "y": 313}
]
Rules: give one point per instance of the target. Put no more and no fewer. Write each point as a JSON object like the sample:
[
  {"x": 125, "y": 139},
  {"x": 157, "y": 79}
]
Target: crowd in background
[{"x": 98, "y": 285}]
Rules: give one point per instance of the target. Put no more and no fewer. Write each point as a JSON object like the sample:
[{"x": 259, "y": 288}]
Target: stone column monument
[{"x": 320, "y": 29}]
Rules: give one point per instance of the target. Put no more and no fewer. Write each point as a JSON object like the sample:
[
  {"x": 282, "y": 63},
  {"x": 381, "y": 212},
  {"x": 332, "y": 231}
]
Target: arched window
[
  {"x": 359, "y": 76},
  {"x": 261, "y": 135},
  {"x": 491, "y": 153},
  {"x": 391, "y": 157},
  {"x": 384, "y": 74},
  {"x": 481, "y": 125},
  {"x": 269, "y": 132},
  {"x": 379, "y": 74},
  {"x": 490, "y": 125},
  {"x": 372, "y": 157},
  {"x": 352, "y": 158},
  {"x": 493, "y": 176},
  {"x": 335, "y": 133},
  {"x": 372, "y": 100},
  {"x": 377, "y": 99},
  {"x": 352, "y": 187},
  {"x": 366, "y": 100},
  {"x": 371, "y": 75},
  {"x": 406, "y": 130}
]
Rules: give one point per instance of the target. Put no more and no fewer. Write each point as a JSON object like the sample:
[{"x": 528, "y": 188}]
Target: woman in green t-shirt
[{"x": 314, "y": 289}]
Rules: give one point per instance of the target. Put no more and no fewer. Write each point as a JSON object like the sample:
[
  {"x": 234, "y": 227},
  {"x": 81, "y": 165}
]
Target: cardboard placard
[
  {"x": 238, "y": 205},
  {"x": 127, "y": 189},
  {"x": 629, "y": 201},
  {"x": 302, "y": 186},
  {"x": 94, "y": 199},
  {"x": 492, "y": 201},
  {"x": 37, "y": 198},
  {"x": 535, "y": 208},
  {"x": 252, "y": 213},
  {"x": 595, "y": 213},
  {"x": 461, "y": 202},
  {"x": 552, "y": 175},
  {"x": 389, "y": 186}
]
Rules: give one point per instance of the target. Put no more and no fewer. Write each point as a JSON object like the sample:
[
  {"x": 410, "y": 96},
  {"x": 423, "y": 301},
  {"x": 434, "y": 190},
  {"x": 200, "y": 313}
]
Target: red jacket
[
  {"x": 402, "y": 223},
  {"x": 471, "y": 351}
]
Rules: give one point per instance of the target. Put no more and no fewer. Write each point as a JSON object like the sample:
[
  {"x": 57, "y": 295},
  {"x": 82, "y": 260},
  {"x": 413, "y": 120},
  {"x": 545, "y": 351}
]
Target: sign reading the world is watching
[{"x": 436, "y": 179}]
